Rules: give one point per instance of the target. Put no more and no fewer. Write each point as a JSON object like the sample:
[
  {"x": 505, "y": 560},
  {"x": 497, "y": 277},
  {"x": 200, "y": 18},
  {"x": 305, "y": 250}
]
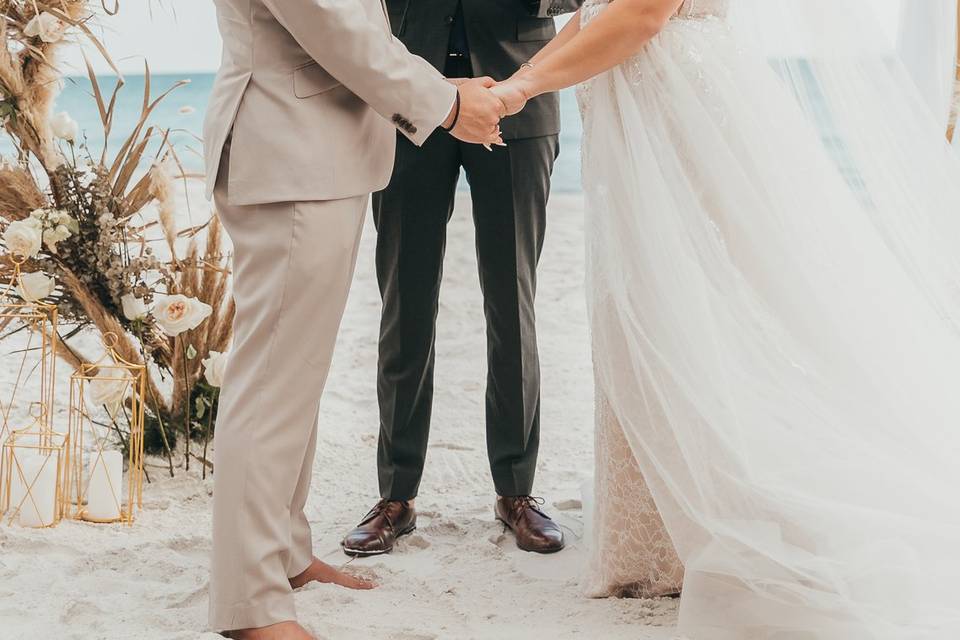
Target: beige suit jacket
[{"x": 313, "y": 91}]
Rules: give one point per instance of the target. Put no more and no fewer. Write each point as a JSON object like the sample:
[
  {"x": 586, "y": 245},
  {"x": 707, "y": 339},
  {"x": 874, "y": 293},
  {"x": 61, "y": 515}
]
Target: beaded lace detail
[
  {"x": 703, "y": 8},
  {"x": 633, "y": 555},
  {"x": 689, "y": 9}
]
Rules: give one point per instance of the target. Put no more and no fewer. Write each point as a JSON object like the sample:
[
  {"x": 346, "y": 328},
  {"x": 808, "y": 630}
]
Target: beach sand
[{"x": 458, "y": 576}]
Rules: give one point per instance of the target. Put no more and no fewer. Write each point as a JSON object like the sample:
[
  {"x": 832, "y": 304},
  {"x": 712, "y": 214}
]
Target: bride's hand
[{"x": 512, "y": 95}]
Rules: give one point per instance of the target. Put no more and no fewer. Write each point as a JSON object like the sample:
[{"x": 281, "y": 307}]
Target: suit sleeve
[
  {"x": 552, "y": 8},
  {"x": 368, "y": 60}
]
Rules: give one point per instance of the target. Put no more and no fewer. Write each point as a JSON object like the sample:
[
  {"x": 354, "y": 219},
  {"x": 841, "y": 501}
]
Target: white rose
[
  {"x": 24, "y": 237},
  {"x": 134, "y": 308},
  {"x": 46, "y": 26},
  {"x": 214, "y": 366},
  {"x": 64, "y": 127},
  {"x": 109, "y": 387},
  {"x": 178, "y": 313},
  {"x": 57, "y": 234},
  {"x": 36, "y": 286}
]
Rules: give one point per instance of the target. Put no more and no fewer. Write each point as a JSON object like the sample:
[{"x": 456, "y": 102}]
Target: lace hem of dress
[{"x": 632, "y": 553}]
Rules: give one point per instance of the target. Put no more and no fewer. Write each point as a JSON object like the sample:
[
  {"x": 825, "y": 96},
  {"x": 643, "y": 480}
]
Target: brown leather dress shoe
[
  {"x": 380, "y": 529},
  {"x": 534, "y": 530}
]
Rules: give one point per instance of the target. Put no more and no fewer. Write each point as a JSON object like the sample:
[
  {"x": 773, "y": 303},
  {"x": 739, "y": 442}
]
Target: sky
[
  {"x": 181, "y": 35},
  {"x": 173, "y": 35}
]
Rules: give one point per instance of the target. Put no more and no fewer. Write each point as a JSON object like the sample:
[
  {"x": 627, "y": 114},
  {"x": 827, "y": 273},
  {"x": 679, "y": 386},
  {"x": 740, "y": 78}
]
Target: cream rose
[
  {"x": 134, "y": 308},
  {"x": 178, "y": 313},
  {"x": 214, "y": 366},
  {"x": 64, "y": 127},
  {"x": 36, "y": 286},
  {"x": 46, "y": 26},
  {"x": 24, "y": 237},
  {"x": 55, "y": 235},
  {"x": 108, "y": 388}
]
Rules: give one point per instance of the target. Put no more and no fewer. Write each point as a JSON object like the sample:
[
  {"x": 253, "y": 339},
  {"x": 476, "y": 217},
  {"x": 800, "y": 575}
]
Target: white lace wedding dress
[{"x": 776, "y": 352}]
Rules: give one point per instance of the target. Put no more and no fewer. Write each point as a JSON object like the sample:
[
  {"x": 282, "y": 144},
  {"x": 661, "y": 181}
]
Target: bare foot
[
  {"x": 320, "y": 571},
  {"x": 279, "y": 631}
]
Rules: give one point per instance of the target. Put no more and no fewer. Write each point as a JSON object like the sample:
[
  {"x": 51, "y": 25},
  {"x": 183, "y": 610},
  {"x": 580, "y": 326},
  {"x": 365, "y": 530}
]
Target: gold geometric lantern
[
  {"x": 106, "y": 399},
  {"x": 33, "y": 474},
  {"x": 33, "y": 327}
]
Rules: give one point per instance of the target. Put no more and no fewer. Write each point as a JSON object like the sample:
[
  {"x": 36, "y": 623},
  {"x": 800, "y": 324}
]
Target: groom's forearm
[{"x": 369, "y": 61}]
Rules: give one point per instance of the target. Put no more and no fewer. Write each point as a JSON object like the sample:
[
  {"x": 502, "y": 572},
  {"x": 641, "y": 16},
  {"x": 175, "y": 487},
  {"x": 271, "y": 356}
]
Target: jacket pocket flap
[
  {"x": 535, "y": 29},
  {"x": 312, "y": 79}
]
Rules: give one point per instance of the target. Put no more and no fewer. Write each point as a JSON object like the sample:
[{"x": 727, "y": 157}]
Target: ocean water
[{"x": 182, "y": 112}]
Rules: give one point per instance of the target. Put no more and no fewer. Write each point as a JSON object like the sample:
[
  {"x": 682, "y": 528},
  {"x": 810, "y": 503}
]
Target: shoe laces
[
  {"x": 381, "y": 508},
  {"x": 522, "y": 503}
]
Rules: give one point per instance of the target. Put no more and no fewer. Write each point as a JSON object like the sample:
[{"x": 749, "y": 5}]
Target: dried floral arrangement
[{"x": 93, "y": 225}]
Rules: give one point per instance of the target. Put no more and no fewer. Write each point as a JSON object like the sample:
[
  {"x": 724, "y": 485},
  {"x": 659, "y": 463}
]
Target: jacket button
[{"x": 449, "y": 19}]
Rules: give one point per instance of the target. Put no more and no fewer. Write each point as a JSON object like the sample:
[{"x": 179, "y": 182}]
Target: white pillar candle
[
  {"x": 18, "y": 474},
  {"x": 105, "y": 490},
  {"x": 39, "y": 505}
]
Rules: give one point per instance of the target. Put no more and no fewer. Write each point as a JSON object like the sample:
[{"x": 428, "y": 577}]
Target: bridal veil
[{"x": 774, "y": 269}]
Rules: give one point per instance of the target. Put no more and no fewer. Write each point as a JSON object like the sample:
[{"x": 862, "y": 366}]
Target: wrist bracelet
[
  {"x": 456, "y": 113},
  {"x": 527, "y": 65}
]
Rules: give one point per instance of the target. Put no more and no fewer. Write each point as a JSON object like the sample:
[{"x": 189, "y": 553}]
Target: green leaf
[{"x": 201, "y": 407}]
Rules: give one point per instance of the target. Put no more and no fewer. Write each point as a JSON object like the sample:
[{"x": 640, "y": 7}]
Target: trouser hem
[
  {"x": 253, "y": 616},
  {"x": 300, "y": 564}
]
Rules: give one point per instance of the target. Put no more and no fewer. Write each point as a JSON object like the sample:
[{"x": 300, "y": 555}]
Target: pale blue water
[{"x": 77, "y": 98}]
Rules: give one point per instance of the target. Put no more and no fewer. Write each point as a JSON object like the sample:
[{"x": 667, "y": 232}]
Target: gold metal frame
[
  {"x": 49, "y": 444},
  {"x": 954, "y": 106},
  {"x": 133, "y": 378},
  {"x": 40, "y": 319}
]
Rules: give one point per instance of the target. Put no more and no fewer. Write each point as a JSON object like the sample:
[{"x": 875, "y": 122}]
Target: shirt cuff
[{"x": 420, "y": 136}]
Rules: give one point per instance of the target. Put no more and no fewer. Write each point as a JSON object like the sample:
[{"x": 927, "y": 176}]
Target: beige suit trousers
[{"x": 293, "y": 265}]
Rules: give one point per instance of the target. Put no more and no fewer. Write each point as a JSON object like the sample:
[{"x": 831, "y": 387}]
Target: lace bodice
[
  {"x": 689, "y": 9},
  {"x": 691, "y": 14}
]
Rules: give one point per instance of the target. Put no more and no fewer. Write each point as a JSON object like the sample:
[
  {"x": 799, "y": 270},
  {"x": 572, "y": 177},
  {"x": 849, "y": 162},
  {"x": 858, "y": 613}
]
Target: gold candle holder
[
  {"x": 36, "y": 358},
  {"x": 33, "y": 474},
  {"x": 34, "y": 364},
  {"x": 117, "y": 387}
]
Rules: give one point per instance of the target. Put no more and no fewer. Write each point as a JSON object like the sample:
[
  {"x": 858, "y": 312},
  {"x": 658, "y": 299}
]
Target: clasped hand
[{"x": 483, "y": 104}]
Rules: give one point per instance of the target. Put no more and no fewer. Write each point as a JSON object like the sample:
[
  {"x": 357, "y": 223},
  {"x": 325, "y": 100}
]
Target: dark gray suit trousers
[{"x": 509, "y": 188}]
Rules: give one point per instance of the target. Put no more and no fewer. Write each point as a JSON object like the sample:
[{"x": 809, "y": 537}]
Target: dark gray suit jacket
[{"x": 503, "y": 34}]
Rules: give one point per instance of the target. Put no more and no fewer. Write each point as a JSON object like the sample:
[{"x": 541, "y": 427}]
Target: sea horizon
[{"x": 182, "y": 112}]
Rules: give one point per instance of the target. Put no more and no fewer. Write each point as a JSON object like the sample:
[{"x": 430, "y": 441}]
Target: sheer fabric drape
[
  {"x": 927, "y": 35},
  {"x": 775, "y": 304}
]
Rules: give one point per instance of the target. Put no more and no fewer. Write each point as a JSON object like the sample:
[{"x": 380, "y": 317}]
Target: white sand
[{"x": 458, "y": 576}]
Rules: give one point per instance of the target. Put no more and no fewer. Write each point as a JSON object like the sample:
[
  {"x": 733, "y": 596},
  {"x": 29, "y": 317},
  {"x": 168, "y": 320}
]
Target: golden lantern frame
[
  {"x": 44, "y": 442},
  {"x": 954, "y": 106},
  {"x": 81, "y": 420},
  {"x": 39, "y": 318}
]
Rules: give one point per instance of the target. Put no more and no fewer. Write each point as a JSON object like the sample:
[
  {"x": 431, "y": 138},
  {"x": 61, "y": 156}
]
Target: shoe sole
[
  {"x": 358, "y": 553},
  {"x": 544, "y": 552}
]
